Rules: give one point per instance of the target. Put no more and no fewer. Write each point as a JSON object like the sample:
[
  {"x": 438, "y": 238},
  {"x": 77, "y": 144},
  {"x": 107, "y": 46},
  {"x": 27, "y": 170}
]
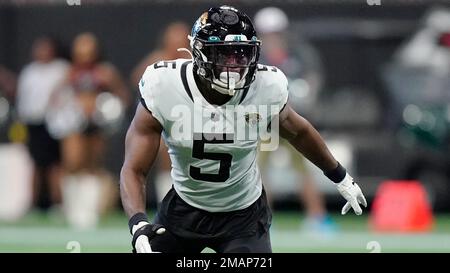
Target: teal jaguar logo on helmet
[
  {"x": 201, "y": 22},
  {"x": 196, "y": 28}
]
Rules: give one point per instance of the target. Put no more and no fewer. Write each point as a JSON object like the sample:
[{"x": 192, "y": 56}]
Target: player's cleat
[{"x": 319, "y": 225}]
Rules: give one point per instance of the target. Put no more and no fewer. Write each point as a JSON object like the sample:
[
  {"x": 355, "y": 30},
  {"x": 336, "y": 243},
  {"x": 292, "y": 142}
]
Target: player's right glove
[{"x": 143, "y": 232}]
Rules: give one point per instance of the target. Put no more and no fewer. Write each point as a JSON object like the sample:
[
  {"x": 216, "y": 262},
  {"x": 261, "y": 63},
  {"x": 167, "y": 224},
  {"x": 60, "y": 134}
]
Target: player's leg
[
  {"x": 54, "y": 170},
  {"x": 253, "y": 235},
  {"x": 81, "y": 190},
  {"x": 74, "y": 153},
  {"x": 259, "y": 243},
  {"x": 317, "y": 219},
  {"x": 312, "y": 197},
  {"x": 171, "y": 243},
  {"x": 178, "y": 238},
  {"x": 34, "y": 147},
  {"x": 96, "y": 144}
]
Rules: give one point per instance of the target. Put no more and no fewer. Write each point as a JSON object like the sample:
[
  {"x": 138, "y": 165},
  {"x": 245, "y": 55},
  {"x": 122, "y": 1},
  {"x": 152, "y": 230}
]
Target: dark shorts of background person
[
  {"x": 92, "y": 129},
  {"x": 44, "y": 149},
  {"x": 191, "y": 230}
]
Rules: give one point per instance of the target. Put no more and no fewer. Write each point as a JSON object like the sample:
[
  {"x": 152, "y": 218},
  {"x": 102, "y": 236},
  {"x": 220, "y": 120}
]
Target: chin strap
[{"x": 232, "y": 85}]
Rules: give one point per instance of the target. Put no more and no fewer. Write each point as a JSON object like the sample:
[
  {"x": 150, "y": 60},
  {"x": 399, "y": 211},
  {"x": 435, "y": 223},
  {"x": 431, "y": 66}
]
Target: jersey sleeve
[
  {"x": 284, "y": 90},
  {"x": 149, "y": 88}
]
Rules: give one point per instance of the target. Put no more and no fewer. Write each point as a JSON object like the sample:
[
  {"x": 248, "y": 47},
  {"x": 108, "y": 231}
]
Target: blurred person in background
[
  {"x": 16, "y": 170},
  {"x": 8, "y": 83},
  {"x": 419, "y": 71},
  {"x": 37, "y": 81},
  {"x": 98, "y": 91},
  {"x": 174, "y": 37},
  {"x": 429, "y": 46},
  {"x": 418, "y": 81},
  {"x": 302, "y": 66}
]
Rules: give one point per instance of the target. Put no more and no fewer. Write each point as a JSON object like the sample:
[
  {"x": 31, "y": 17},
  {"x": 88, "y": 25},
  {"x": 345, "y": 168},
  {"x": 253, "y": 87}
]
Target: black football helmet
[{"x": 225, "y": 49}]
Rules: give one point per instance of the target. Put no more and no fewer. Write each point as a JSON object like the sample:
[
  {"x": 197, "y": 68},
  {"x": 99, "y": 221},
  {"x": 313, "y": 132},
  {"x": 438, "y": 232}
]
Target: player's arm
[
  {"x": 305, "y": 139},
  {"x": 141, "y": 148}
]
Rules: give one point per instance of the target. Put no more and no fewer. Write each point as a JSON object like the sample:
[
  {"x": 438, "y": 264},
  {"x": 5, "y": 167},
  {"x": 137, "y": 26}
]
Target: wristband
[
  {"x": 336, "y": 175},
  {"x": 135, "y": 219}
]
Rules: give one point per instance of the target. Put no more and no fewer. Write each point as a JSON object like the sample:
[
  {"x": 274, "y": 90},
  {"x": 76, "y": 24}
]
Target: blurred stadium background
[{"x": 374, "y": 79}]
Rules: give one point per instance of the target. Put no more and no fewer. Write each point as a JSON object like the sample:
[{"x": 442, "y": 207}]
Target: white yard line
[
  {"x": 281, "y": 240},
  {"x": 359, "y": 240}
]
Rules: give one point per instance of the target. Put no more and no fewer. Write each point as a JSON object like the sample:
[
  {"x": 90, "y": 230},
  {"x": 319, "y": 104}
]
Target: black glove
[{"x": 144, "y": 235}]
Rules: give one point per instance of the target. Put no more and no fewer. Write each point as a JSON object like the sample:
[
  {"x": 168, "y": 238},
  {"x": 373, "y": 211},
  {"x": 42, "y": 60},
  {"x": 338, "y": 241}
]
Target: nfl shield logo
[{"x": 252, "y": 119}]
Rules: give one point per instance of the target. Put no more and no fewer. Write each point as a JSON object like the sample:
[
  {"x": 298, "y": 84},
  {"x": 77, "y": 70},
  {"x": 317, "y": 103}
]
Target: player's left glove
[
  {"x": 348, "y": 189},
  {"x": 352, "y": 193}
]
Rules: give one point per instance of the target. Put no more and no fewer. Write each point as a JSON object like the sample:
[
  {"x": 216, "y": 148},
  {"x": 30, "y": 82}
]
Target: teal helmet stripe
[{"x": 213, "y": 39}]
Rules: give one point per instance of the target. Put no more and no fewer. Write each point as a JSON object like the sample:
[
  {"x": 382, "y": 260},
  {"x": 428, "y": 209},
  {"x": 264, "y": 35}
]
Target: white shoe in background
[{"x": 81, "y": 200}]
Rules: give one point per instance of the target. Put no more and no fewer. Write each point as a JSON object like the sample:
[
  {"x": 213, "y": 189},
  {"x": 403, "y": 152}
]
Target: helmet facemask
[{"x": 229, "y": 66}]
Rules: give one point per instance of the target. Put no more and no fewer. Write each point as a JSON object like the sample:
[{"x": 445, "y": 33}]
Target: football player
[{"x": 217, "y": 199}]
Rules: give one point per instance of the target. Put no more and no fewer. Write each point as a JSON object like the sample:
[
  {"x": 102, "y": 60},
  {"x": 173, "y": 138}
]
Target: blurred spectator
[
  {"x": 418, "y": 81},
  {"x": 418, "y": 74},
  {"x": 299, "y": 61},
  {"x": 429, "y": 45},
  {"x": 37, "y": 82},
  {"x": 7, "y": 83},
  {"x": 100, "y": 95},
  {"x": 175, "y": 36},
  {"x": 7, "y": 94},
  {"x": 293, "y": 54}
]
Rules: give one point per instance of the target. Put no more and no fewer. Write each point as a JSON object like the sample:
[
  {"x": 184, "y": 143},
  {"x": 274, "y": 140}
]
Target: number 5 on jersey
[{"x": 198, "y": 152}]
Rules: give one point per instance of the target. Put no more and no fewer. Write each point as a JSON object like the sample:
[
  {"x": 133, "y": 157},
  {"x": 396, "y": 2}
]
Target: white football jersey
[{"x": 213, "y": 149}]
